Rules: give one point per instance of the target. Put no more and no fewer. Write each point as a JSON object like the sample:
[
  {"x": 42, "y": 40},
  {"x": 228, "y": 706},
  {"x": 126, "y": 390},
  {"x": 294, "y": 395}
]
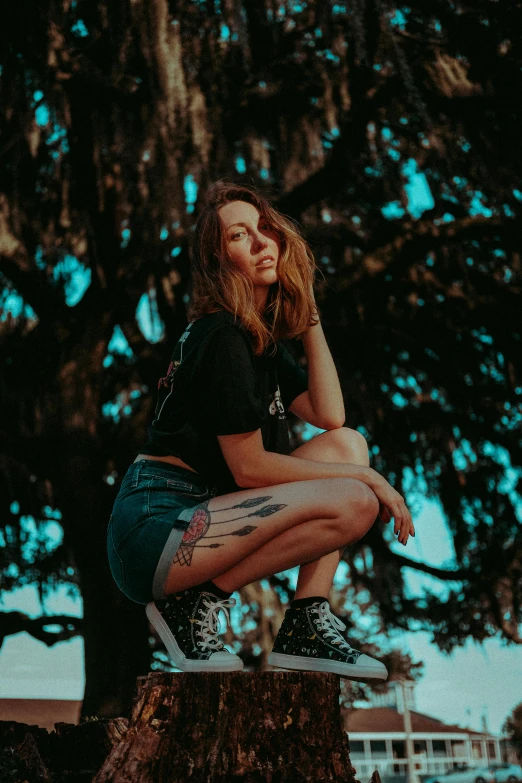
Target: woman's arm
[
  {"x": 272, "y": 468},
  {"x": 252, "y": 466},
  {"x": 324, "y": 389},
  {"x": 268, "y": 468}
]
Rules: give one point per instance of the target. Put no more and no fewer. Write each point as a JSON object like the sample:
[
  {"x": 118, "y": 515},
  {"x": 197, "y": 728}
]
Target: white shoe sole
[
  {"x": 349, "y": 670},
  {"x": 232, "y": 664}
]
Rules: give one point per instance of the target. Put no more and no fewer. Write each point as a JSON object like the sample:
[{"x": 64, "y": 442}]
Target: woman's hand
[{"x": 392, "y": 504}]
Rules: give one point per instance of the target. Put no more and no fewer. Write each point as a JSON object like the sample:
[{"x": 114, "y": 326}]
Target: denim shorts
[{"x": 151, "y": 512}]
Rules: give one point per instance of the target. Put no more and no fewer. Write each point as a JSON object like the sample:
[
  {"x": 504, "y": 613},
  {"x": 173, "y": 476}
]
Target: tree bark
[{"x": 268, "y": 727}]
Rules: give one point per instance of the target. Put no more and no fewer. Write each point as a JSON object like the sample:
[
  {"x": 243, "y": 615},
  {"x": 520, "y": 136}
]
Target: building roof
[{"x": 386, "y": 719}]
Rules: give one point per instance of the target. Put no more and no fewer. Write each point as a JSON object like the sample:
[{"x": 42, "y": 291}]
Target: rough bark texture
[{"x": 270, "y": 727}]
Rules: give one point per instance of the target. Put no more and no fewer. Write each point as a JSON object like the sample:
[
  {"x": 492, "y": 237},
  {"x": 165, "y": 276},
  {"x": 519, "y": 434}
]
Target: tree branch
[
  {"x": 409, "y": 236},
  {"x": 17, "y": 622},
  {"x": 438, "y": 573},
  {"x": 338, "y": 168},
  {"x": 25, "y": 276}
]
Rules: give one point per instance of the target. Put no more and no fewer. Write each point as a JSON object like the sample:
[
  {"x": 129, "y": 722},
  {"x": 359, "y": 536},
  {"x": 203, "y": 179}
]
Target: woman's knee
[
  {"x": 349, "y": 492},
  {"x": 369, "y": 500},
  {"x": 359, "y": 508},
  {"x": 350, "y": 444}
]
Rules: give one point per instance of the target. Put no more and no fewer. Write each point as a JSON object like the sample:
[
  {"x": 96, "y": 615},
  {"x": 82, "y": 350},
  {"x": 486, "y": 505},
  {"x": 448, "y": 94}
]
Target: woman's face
[{"x": 249, "y": 239}]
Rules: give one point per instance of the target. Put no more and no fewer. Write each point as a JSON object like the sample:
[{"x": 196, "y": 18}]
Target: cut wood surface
[{"x": 268, "y": 727}]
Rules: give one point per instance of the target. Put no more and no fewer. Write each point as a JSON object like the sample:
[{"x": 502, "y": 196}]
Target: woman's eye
[{"x": 238, "y": 234}]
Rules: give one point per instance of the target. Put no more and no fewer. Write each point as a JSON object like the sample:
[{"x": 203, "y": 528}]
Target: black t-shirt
[{"x": 216, "y": 385}]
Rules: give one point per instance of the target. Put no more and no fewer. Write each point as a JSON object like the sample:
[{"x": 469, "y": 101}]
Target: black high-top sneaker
[
  {"x": 188, "y": 625},
  {"x": 309, "y": 640}
]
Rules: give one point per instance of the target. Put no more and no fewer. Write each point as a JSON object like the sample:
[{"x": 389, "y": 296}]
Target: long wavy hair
[{"x": 217, "y": 284}]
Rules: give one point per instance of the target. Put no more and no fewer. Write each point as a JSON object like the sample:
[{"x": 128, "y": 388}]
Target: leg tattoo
[{"x": 200, "y": 523}]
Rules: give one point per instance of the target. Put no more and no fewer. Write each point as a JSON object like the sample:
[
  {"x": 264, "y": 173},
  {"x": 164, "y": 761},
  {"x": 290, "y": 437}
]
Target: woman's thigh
[{"x": 227, "y": 528}]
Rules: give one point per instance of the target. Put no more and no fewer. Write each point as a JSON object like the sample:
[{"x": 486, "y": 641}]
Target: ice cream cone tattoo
[{"x": 201, "y": 521}]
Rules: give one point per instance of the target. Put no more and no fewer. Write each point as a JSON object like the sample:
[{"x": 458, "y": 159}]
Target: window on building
[
  {"x": 398, "y": 749},
  {"x": 458, "y": 749},
  {"x": 399, "y": 752},
  {"x": 492, "y": 750},
  {"x": 357, "y": 746},
  {"x": 439, "y": 748},
  {"x": 419, "y": 746},
  {"x": 476, "y": 749},
  {"x": 504, "y": 750},
  {"x": 378, "y": 749}
]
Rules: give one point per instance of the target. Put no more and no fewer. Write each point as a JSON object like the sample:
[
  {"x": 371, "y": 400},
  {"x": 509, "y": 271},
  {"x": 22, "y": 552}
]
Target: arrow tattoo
[{"x": 201, "y": 521}]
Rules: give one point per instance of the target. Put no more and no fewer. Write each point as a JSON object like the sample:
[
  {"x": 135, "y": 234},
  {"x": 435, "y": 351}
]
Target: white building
[{"x": 377, "y": 737}]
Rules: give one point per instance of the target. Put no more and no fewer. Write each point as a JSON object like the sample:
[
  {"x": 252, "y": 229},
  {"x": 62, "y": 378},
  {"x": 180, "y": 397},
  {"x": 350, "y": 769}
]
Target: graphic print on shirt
[
  {"x": 168, "y": 379},
  {"x": 276, "y": 405}
]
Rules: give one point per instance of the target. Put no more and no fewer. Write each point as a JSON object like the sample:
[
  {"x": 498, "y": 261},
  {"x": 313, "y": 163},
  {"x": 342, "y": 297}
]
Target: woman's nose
[{"x": 261, "y": 240}]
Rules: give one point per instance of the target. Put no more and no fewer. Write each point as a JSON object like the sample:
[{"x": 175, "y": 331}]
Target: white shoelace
[
  {"x": 331, "y": 625},
  {"x": 210, "y": 622}
]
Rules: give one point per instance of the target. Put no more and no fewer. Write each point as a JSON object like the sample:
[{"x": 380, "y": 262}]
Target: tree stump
[{"x": 268, "y": 727}]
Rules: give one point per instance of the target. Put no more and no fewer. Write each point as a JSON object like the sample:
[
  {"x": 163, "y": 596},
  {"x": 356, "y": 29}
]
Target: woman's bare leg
[
  {"x": 315, "y": 577},
  {"x": 299, "y": 521},
  {"x": 339, "y": 445}
]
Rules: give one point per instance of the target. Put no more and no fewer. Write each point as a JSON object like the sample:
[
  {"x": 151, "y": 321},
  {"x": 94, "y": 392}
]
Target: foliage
[
  {"x": 390, "y": 134},
  {"x": 513, "y": 728}
]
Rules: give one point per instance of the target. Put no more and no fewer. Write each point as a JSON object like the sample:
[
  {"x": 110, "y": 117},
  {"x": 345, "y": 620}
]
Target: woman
[{"x": 215, "y": 500}]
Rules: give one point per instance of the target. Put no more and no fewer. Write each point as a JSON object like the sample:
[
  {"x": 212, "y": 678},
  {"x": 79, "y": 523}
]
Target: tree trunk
[
  {"x": 116, "y": 630},
  {"x": 268, "y": 727},
  {"x": 116, "y": 649}
]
